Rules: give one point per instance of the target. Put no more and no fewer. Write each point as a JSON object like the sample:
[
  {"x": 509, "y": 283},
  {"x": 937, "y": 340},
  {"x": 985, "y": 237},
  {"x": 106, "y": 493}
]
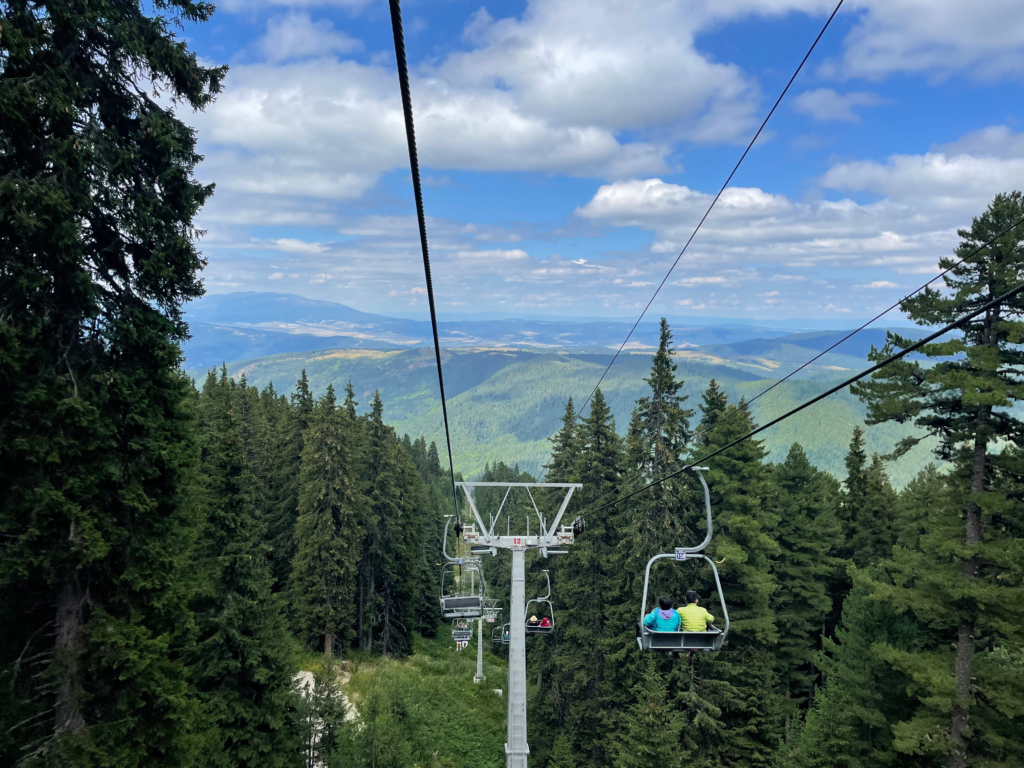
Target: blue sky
[{"x": 570, "y": 146}]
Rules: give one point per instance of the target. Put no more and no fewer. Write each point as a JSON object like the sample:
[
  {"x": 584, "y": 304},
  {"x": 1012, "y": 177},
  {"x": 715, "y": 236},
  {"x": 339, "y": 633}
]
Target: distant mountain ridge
[{"x": 247, "y": 325}]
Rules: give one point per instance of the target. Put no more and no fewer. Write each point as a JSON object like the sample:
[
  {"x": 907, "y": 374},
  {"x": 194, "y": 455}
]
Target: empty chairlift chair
[
  {"x": 462, "y": 591},
  {"x": 710, "y": 640}
]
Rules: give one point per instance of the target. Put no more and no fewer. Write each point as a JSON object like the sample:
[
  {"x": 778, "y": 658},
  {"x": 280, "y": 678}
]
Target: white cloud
[
  {"x": 297, "y": 36},
  {"x": 938, "y": 38},
  {"x": 877, "y": 284},
  {"x": 924, "y": 199},
  {"x": 276, "y": 276},
  {"x": 826, "y": 104}
]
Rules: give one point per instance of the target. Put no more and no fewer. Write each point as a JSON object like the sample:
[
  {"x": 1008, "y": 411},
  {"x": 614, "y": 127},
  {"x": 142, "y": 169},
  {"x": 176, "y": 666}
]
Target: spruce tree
[
  {"x": 97, "y": 201},
  {"x": 583, "y": 579},
  {"x": 808, "y": 532},
  {"x": 850, "y": 723},
  {"x": 386, "y": 567},
  {"x": 328, "y": 536},
  {"x": 242, "y": 664},
  {"x": 956, "y": 581},
  {"x": 745, "y": 523},
  {"x": 651, "y": 728},
  {"x": 293, "y": 420},
  {"x": 872, "y": 534},
  {"x": 665, "y": 421}
]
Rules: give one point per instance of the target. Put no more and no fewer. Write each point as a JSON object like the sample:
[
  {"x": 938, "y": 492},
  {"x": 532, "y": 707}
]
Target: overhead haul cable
[
  {"x": 821, "y": 354},
  {"x": 710, "y": 207},
  {"x": 852, "y": 380},
  {"x": 414, "y": 164}
]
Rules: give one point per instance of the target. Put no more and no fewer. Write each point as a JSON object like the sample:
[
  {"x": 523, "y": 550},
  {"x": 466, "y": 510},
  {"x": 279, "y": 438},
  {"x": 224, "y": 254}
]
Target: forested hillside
[{"x": 504, "y": 403}]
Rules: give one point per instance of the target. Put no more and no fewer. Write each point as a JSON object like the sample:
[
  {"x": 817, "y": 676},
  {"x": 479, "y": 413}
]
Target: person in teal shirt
[{"x": 663, "y": 618}]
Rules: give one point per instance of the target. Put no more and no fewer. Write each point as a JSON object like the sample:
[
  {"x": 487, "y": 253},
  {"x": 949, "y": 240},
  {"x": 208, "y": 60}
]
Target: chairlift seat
[
  {"x": 459, "y": 635},
  {"x": 649, "y": 640},
  {"x": 539, "y": 630}
]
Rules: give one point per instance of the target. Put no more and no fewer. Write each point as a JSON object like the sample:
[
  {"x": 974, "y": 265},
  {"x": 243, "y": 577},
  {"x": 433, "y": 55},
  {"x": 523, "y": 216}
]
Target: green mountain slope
[{"x": 505, "y": 403}]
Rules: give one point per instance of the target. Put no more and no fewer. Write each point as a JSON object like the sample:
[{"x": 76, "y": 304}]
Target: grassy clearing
[{"x": 432, "y": 703}]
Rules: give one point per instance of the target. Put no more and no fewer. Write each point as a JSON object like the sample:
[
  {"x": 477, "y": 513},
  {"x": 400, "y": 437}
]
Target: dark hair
[
  {"x": 665, "y": 603},
  {"x": 691, "y": 596}
]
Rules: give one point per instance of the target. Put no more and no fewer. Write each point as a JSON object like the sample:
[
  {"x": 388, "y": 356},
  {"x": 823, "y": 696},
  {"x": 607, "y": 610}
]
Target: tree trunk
[
  {"x": 960, "y": 718},
  {"x": 68, "y": 647},
  {"x": 328, "y": 644}
]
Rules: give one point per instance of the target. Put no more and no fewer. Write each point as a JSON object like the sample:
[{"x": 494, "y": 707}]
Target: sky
[{"x": 569, "y": 147}]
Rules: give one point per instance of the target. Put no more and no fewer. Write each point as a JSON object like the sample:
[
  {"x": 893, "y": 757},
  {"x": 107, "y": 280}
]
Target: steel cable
[{"x": 410, "y": 134}]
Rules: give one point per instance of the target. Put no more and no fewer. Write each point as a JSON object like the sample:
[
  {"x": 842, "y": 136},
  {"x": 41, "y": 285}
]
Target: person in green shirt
[{"x": 694, "y": 618}]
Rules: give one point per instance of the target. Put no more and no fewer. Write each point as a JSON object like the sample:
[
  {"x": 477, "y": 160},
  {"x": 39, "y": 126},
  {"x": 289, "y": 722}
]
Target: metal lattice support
[{"x": 548, "y": 540}]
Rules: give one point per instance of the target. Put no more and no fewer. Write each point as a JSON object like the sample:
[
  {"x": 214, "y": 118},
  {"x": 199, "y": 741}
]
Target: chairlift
[
  {"x": 462, "y": 631},
  {"x": 537, "y": 629},
  {"x": 710, "y": 640},
  {"x": 463, "y": 589}
]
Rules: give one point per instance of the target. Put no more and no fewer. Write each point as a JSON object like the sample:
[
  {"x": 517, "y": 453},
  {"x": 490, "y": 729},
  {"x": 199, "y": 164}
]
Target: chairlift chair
[
  {"x": 710, "y": 640},
  {"x": 546, "y": 600},
  {"x": 461, "y": 633},
  {"x": 462, "y": 590}
]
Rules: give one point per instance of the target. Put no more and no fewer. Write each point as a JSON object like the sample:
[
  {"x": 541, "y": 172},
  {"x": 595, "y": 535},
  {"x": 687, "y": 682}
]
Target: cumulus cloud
[
  {"x": 297, "y": 36},
  {"x": 826, "y": 104},
  {"x": 940, "y": 38},
  {"x": 924, "y": 198}
]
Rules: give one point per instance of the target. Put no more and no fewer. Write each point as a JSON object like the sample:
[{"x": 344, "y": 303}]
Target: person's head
[
  {"x": 692, "y": 597},
  {"x": 533, "y": 618},
  {"x": 665, "y": 603}
]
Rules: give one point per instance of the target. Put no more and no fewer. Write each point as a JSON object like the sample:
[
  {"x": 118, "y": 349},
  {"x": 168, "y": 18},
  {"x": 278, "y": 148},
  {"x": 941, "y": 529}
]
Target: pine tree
[
  {"x": 242, "y": 663},
  {"x": 872, "y": 534},
  {"x": 386, "y": 574},
  {"x": 97, "y": 201},
  {"x": 850, "y": 723},
  {"x": 562, "y": 756},
  {"x": 283, "y": 485},
  {"x": 583, "y": 579},
  {"x": 745, "y": 523},
  {"x": 808, "y": 532},
  {"x": 651, "y": 728},
  {"x": 328, "y": 536},
  {"x": 956, "y": 584},
  {"x": 666, "y": 427}
]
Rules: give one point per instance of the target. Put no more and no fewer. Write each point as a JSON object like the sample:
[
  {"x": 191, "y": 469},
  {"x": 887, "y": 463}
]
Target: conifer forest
[{"x": 200, "y": 572}]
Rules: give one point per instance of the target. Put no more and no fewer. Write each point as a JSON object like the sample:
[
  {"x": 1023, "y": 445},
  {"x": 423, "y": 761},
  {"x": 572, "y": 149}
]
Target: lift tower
[{"x": 548, "y": 541}]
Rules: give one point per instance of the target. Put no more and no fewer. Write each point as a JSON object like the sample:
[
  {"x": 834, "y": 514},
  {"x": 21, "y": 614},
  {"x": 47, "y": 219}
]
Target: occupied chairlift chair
[
  {"x": 546, "y": 600},
  {"x": 710, "y": 640},
  {"x": 463, "y": 590},
  {"x": 462, "y": 631}
]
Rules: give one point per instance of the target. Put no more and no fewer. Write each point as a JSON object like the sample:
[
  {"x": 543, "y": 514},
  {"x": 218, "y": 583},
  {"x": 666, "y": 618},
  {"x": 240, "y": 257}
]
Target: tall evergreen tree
[
  {"x": 242, "y": 663},
  {"x": 807, "y": 534},
  {"x": 955, "y": 582},
  {"x": 744, "y": 543},
  {"x": 328, "y": 535},
  {"x": 386, "y": 567},
  {"x": 666, "y": 427},
  {"x": 97, "y": 201},
  {"x": 284, "y": 482},
  {"x": 582, "y": 578}
]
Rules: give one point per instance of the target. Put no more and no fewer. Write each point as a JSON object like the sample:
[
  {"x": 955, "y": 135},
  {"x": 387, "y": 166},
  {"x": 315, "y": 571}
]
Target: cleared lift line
[
  {"x": 710, "y": 207},
  {"x": 853, "y": 379},
  {"x": 824, "y": 352},
  {"x": 414, "y": 164}
]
